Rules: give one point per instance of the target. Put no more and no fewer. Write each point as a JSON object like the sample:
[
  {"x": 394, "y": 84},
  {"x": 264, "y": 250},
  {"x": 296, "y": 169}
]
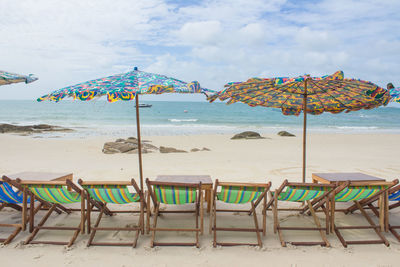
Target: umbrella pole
[
  {"x": 304, "y": 130},
  {"x": 139, "y": 142}
]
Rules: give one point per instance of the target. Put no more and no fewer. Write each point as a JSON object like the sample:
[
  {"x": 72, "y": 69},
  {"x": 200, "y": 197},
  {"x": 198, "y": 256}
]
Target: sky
[{"x": 212, "y": 41}]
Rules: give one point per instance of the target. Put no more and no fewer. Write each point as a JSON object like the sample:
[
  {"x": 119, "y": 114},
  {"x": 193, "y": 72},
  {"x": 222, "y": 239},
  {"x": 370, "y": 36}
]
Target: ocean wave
[
  {"x": 182, "y": 120},
  {"x": 354, "y": 127}
]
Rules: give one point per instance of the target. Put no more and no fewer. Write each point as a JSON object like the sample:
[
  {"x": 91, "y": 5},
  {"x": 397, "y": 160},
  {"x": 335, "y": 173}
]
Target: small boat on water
[{"x": 145, "y": 106}]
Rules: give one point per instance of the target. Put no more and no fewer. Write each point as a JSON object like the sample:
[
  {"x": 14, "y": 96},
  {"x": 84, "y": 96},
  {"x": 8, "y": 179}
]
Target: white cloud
[
  {"x": 212, "y": 41},
  {"x": 201, "y": 33}
]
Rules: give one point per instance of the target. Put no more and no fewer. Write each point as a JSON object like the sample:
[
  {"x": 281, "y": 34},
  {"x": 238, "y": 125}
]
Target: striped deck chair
[
  {"x": 9, "y": 197},
  {"x": 393, "y": 196},
  {"x": 174, "y": 194},
  {"x": 57, "y": 194},
  {"x": 240, "y": 194},
  {"x": 310, "y": 193},
  {"x": 360, "y": 193},
  {"x": 13, "y": 195},
  {"x": 114, "y": 192}
]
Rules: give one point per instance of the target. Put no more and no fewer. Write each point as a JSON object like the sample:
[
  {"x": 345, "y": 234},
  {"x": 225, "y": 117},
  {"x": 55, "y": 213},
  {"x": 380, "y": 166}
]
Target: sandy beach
[{"x": 272, "y": 159}]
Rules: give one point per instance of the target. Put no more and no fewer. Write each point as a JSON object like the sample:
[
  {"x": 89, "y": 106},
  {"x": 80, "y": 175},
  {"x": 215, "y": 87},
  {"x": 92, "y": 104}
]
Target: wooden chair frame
[
  {"x": 23, "y": 208},
  {"x": 252, "y": 211},
  {"x": 55, "y": 207},
  {"x": 312, "y": 211},
  {"x": 377, "y": 210},
  {"x": 93, "y": 229},
  {"x": 381, "y": 195},
  {"x": 198, "y": 211}
]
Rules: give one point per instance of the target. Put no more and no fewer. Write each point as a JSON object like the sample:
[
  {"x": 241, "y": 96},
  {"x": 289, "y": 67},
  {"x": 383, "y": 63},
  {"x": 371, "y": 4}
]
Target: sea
[{"x": 101, "y": 118}]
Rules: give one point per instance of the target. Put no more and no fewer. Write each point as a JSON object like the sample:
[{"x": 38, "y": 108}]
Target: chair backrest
[
  {"x": 111, "y": 192},
  {"x": 395, "y": 196},
  {"x": 9, "y": 195},
  {"x": 355, "y": 193},
  {"x": 302, "y": 193},
  {"x": 57, "y": 193},
  {"x": 394, "y": 193},
  {"x": 236, "y": 193},
  {"x": 299, "y": 192},
  {"x": 173, "y": 193}
]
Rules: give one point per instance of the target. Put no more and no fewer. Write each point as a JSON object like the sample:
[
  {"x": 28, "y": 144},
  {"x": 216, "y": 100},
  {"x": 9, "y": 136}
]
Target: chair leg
[
  {"x": 201, "y": 214},
  {"x": 141, "y": 219},
  {"x": 141, "y": 224},
  {"x": 197, "y": 221},
  {"x": 83, "y": 215},
  {"x": 74, "y": 237},
  {"x": 153, "y": 236},
  {"x": 275, "y": 214},
  {"x": 88, "y": 211},
  {"x": 316, "y": 220},
  {"x": 371, "y": 222},
  {"x": 211, "y": 211},
  {"x": 215, "y": 223},
  {"x": 41, "y": 223},
  {"x": 148, "y": 213},
  {"x": 264, "y": 214},
  {"x": 24, "y": 208},
  {"x": 18, "y": 229},
  {"x": 372, "y": 226},
  {"x": 94, "y": 228},
  {"x": 256, "y": 224},
  {"x": 332, "y": 215},
  {"x": 391, "y": 228},
  {"x": 31, "y": 213}
]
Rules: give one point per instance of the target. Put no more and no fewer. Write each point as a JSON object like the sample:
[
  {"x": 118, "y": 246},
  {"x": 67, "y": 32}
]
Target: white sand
[{"x": 229, "y": 160}]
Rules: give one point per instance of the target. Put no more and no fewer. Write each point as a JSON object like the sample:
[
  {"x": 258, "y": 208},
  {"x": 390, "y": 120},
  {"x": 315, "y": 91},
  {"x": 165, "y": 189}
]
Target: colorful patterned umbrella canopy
[
  {"x": 9, "y": 78},
  {"x": 126, "y": 86},
  {"x": 395, "y": 94},
  {"x": 313, "y": 95},
  {"x": 331, "y": 93}
]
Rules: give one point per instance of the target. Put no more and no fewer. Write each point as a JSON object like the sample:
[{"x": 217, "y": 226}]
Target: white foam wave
[{"x": 182, "y": 120}]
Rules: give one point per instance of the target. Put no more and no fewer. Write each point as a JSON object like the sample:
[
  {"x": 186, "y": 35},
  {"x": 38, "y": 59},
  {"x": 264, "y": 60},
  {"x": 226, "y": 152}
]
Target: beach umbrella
[
  {"x": 126, "y": 86},
  {"x": 312, "y": 95},
  {"x": 394, "y": 93},
  {"x": 9, "y": 78}
]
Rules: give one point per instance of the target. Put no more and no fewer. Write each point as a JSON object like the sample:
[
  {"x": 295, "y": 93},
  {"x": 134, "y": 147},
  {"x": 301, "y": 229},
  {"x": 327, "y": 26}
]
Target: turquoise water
[{"x": 177, "y": 118}]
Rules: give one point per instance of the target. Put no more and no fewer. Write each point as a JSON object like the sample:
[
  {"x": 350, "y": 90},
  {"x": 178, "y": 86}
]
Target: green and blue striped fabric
[
  {"x": 302, "y": 193},
  {"x": 8, "y": 195},
  {"x": 239, "y": 194},
  {"x": 117, "y": 194},
  {"x": 175, "y": 194},
  {"x": 352, "y": 193},
  {"x": 57, "y": 194}
]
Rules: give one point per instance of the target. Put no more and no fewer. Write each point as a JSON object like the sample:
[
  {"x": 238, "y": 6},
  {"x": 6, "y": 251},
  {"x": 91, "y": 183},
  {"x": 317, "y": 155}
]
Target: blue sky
[{"x": 214, "y": 42}]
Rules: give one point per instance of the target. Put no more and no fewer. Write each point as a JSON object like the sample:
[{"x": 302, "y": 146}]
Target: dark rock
[
  {"x": 129, "y": 146},
  {"x": 194, "y": 150},
  {"x": 132, "y": 141},
  {"x": 164, "y": 149},
  {"x": 28, "y": 129},
  {"x": 117, "y": 147},
  {"x": 205, "y": 149},
  {"x": 247, "y": 135},
  {"x": 284, "y": 133},
  {"x": 149, "y": 146}
]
